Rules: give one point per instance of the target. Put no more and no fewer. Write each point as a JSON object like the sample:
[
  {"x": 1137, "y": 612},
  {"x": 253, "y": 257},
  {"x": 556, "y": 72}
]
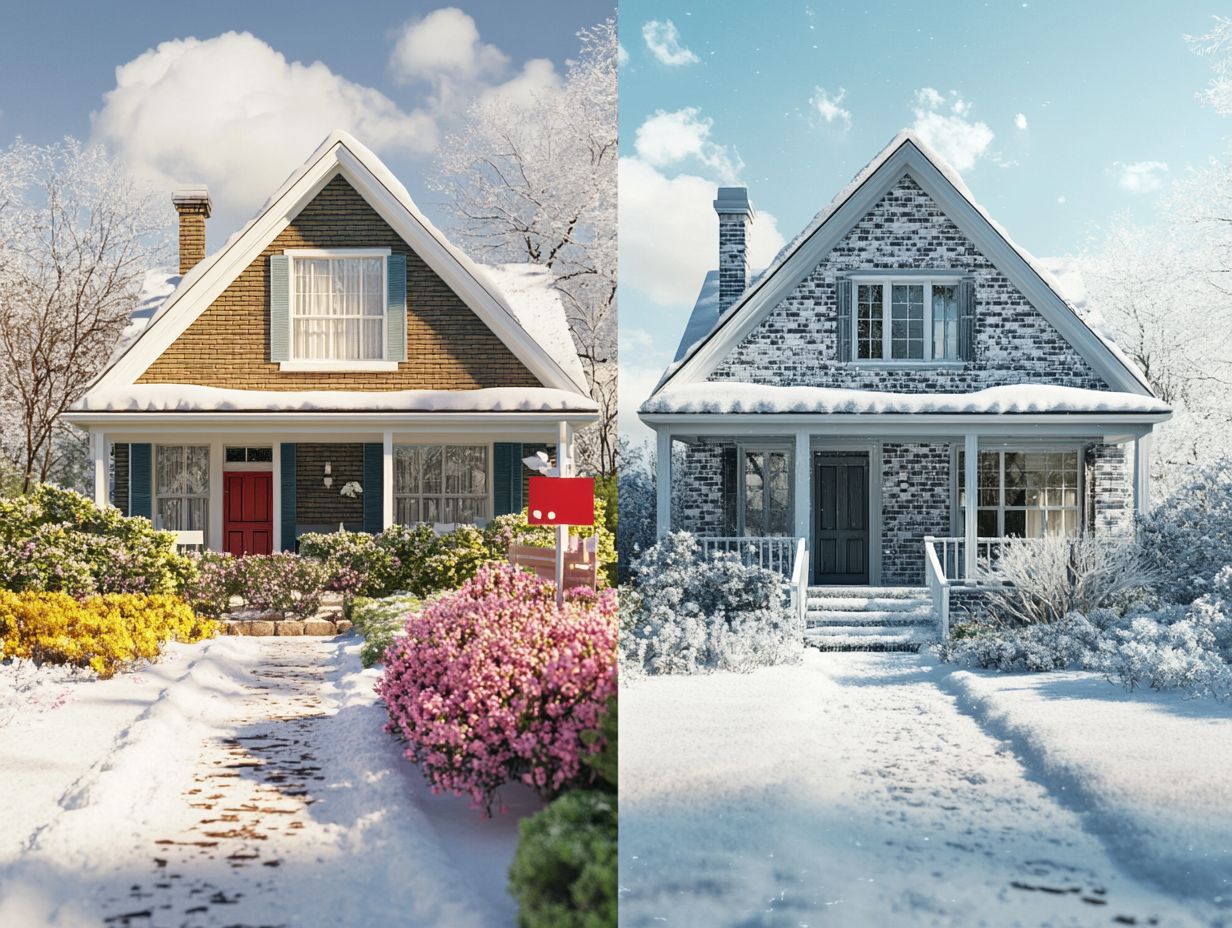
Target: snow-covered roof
[
  {"x": 164, "y": 397},
  {"x": 1016, "y": 399},
  {"x": 527, "y": 323},
  {"x": 156, "y": 286},
  {"x": 529, "y": 289},
  {"x": 706, "y": 322}
]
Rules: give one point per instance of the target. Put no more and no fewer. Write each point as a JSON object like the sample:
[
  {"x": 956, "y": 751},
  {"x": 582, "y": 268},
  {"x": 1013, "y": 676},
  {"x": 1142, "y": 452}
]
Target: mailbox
[{"x": 561, "y": 501}]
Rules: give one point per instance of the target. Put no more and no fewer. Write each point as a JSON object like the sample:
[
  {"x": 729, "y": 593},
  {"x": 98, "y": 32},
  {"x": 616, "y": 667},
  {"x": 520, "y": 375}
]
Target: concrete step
[
  {"x": 914, "y": 632},
  {"x": 875, "y": 603},
  {"x": 864, "y": 645},
  {"x": 822, "y": 620},
  {"x": 869, "y": 592}
]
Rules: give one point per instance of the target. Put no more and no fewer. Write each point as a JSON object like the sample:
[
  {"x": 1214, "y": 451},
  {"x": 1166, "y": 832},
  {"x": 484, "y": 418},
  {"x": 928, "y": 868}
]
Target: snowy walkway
[
  {"x": 255, "y": 788},
  {"x": 850, "y": 790}
]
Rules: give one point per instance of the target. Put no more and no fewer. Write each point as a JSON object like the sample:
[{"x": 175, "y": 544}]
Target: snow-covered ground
[
  {"x": 875, "y": 789},
  {"x": 246, "y": 780}
]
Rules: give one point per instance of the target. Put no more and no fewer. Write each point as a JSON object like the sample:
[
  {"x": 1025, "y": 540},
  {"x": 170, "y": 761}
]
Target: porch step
[{"x": 857, "y": 618}]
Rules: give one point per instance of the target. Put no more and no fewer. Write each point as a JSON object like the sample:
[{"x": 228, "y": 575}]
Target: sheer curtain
[{"x": 339, "y": 310}]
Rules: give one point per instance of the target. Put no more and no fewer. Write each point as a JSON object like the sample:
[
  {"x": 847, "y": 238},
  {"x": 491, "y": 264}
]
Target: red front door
[{"x": 248, "y": 507}]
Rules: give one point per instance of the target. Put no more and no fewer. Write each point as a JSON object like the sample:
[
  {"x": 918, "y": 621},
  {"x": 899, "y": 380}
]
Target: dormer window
[
  {"x": 338, "y": 306},
  {"x": 904, "y": 319}
]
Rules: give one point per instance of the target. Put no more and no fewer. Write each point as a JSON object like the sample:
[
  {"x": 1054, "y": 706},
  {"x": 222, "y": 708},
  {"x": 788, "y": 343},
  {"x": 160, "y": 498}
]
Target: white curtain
[{"x": 339, "y": 311}]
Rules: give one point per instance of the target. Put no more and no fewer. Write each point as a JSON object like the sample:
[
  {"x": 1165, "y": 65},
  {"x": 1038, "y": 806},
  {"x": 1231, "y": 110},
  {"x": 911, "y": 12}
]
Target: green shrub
[
  {"x": 60, "y": 541},
  {"x": 380, "y": 621},
  {"x": 564, "y": 873}
]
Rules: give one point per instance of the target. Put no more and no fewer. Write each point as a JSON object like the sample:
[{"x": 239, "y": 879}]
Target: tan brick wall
[{"x": 448, "y": 346}]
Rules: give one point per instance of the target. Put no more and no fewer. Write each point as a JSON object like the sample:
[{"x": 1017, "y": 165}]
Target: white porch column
[
  {"x": 663, "y": 482},
  {"x": 387, "y": 480},
  {"x": 802, "y": 485},
  {"x": 98, "y": 455},
  {"x": 1142, "y": 474},
  {"x": 971, "y": 482}
]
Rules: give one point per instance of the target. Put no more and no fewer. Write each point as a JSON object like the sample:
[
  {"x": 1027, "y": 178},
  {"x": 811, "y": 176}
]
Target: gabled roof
[
  {"x": 710, "y": 336},
  {"x": 553, "y": 361}
]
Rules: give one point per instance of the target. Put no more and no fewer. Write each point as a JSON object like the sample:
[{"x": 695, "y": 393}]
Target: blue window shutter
[
  {"x": 287, "y": 494},
  {"x": 395, "y": 318},
  {"x": 140, "y": 478},
  {"x": 506, "y": 478},
  {"x": 280, "y": 308},
  {"x": 374, "y": 486}
]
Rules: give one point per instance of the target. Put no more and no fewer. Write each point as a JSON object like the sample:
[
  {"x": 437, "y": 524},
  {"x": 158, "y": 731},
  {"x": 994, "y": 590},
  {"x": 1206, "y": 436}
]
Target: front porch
[{"x": 256, "y": 484}]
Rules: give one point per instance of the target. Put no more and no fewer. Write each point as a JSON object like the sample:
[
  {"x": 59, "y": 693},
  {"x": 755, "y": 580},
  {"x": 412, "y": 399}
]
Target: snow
[
  {"x": 536, "y": 303},
  {"x": 1013, "y": 399},
  {"x": 156, "y": 286},
  {"x": 855, "y": 789},
  {"x": 100, "y": 789},
  {"x": 165, "y": 397}
]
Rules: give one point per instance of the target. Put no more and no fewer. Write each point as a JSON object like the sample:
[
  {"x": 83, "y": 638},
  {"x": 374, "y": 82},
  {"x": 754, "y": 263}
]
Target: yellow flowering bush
[{"x": 103, "y": 632}]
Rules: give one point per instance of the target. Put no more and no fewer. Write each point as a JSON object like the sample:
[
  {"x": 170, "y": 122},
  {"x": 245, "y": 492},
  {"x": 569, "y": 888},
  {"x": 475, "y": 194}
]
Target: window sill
[
  {"x": 337, "y": 367},
  {"x": 909, "y": 364}
]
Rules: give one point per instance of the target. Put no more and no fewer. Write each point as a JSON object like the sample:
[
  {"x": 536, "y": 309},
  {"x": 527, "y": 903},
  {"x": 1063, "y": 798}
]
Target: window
[
  {"x": 440, "y": 483},
  {"x": 182, "y": 488},
  {"x": 1024, "y": 493},
  {"x": 906, "y": 320},
  {"x": 766, "y": 493},
  {"x": 338, "y": 307},
  {"x": 249, "y": 455}
]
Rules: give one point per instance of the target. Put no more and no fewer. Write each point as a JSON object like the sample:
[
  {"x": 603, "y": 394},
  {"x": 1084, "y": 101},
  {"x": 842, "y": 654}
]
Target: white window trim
[
  {"x": 302, "y": 365},
  {"x": 887, "y": 282},
  {"x": 762, "y": 448},
  {"x": 489, "y": 496},
  {"x": 956, "y": 509}
]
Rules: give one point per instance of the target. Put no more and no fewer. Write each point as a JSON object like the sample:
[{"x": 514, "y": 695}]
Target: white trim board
[
  {"x": 905, "y": 156},
  {"x": 339, "y": 155}
]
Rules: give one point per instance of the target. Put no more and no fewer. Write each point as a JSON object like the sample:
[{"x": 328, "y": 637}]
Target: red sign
[{"x": 561, "y": 501}]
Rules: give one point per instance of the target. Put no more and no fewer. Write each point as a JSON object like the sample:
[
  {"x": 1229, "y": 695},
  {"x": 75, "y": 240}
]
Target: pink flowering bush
[{"x": 496, "y": 683}]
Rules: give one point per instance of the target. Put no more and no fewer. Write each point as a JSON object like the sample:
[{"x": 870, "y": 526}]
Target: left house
[{"x": 338, "y": 342}]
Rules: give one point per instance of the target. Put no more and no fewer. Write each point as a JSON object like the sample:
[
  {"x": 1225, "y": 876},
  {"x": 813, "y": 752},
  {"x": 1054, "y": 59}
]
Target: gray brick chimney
[
  {"x": 194, "y": 206},
  {"x": 735, "y": 215}
]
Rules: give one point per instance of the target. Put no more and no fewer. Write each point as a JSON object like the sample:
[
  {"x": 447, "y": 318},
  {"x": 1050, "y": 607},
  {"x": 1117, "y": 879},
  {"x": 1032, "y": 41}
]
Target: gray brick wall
[
  {"x": 697, "y": 487},
  {"x": 1108, "y": 470},
  {"x": 733, "y": 257},
  {"x": 795, "y": 344},
  {"x": 915, "y": 501}
]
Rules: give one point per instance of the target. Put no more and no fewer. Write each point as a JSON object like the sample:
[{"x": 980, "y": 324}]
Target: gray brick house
[{"x": 900, "y": 349}]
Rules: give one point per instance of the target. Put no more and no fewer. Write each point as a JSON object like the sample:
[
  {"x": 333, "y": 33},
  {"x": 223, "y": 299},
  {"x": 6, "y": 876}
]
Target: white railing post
[{"x": 971, "y": 483}]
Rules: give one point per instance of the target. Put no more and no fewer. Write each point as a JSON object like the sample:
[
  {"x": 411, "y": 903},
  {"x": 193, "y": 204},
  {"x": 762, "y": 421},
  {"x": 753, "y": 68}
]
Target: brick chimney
[
  {"x": 194, "y": 206},
  {"x": 735, "y": 215}
]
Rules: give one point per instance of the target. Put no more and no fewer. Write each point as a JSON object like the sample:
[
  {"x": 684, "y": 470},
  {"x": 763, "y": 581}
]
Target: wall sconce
[{"x": 328, "y": 479}]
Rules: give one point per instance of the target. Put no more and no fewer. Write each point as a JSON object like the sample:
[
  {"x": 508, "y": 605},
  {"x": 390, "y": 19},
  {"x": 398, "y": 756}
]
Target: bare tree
[
  {"x": 537, "y": 183},
  {"x": 76, "y": 238}
]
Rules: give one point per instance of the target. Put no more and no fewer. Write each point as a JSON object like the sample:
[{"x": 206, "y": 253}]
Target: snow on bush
[
  {"x": 496, "y": 683},
  {"x": 1067, "y": 642},
  {"x": 58, "y": 540},
  {"x": 104, "y": 633},
  {"x": 637, "y": 506},
  {"x": 1039, "y": 581},
  {"x": 1188, "y": 535},
  {"x": 690, "y": 614},
  {"x": 380, "y": 621}
]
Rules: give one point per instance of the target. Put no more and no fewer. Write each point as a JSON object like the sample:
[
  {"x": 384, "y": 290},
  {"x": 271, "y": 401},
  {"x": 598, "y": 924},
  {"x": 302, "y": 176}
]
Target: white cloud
[
  {"x": 233, "y": 113},
  {"x": 622, "y": 56},
  {"x": 444, "y": 43},
  {"x": 1062, "y": 199},
  {"x": 1020, "y": 121},
  {"x": 670, "y": 139},
  {"x": 663, "y": 41},
  {"x": 537, "y": 79},
  {"x": 669, "y": 234},
  {"x": 829, "y": 108},
  {"x": 1139, "y": 176},
  {"x": 943, "y": 125}
]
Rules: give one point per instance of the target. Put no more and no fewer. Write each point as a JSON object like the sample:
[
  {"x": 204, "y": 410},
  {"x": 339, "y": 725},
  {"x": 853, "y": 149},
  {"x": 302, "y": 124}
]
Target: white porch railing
[
  {"x": 771, "y": 553},
  {"x": 799, "y": 582},
  {"x": 945, "y": 568}
]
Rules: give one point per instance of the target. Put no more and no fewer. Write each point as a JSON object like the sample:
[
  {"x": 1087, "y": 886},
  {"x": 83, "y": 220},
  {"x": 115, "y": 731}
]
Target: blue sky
[
  {"x": 58, "y": 60},
  {"x": 1062, "y": 115}
]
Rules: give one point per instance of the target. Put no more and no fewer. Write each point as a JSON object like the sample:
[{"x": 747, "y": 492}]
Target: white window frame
[
  {"x": 359, "y": 365},
  {"x": 1002, "y": 449},
  {"x": 156, "y": 496},
  {"x": 488, "y": 488},
  {"x": 887, "y": 283},
  {"x": 741, "y": 493}
]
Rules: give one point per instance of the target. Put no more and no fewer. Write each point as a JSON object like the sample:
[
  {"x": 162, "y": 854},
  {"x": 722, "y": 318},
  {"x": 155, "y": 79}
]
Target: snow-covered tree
[
  {"x": 77, "y": 235},
  {"x": 536, "y": 182}
]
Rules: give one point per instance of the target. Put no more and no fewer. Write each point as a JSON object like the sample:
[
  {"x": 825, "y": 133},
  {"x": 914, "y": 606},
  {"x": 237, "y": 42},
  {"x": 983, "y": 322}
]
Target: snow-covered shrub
[
  {"x": 564, "y": 872},
  {"x": 638, "y": 505},
  {"x": 285, "y": 583},
  {"x": 104, "y": 632},
  {"x": 380, "y": 621},
  {"x": 58, "y": 540},
  {"x": 1039, "y": 581},
  {"x": 688, "y": 613},
  {"x": 495, "y": 683},
  {"x": 1188, "y": 535},
  {"x": 1013, "y": 648}
]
